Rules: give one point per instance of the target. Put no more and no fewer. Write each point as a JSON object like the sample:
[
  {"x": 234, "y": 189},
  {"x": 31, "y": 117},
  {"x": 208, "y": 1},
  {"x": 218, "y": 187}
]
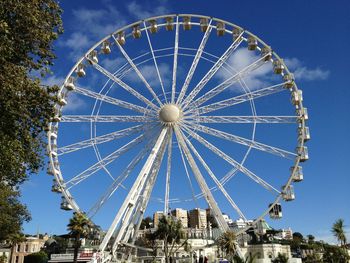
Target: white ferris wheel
[{"x": 183, "y": 109}]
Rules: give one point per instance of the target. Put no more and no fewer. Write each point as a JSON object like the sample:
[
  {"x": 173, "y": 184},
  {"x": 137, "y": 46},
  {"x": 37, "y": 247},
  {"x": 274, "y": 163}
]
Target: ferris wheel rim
[{"x": 59, "y": 177}]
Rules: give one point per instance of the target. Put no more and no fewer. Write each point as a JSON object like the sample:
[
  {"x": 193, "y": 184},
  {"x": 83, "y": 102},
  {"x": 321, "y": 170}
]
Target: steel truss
[{"x": 189, "y": 129}]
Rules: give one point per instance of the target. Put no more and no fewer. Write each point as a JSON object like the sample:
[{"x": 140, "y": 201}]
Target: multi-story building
[
  {"x": 29, "y": 246},
  {"x": 286, "y": 234},
  {"x": 198, "y": 218},
  {"x": 5, "y": 252},
  {"x": 181, "y": 215},
  {"x": 156, "y": 216}
]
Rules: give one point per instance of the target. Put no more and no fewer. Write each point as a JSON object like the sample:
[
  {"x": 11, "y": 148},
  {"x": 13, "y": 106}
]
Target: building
[
  {"x": 227, "y": 219},
  {"x": 240, "y": 223},
  {"x": 181, "y": 215},
  {"x": 286, "y": 234},
  {"x": 156, "y": 216},
  {"x": 5, "y": 252},
  {"x": 29, "y": 246},
  {"x": 198, "y": 218}
]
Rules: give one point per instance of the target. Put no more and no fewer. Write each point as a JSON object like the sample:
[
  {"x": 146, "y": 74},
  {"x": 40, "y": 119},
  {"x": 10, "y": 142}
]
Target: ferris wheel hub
[{"x": 169, "y": 113}]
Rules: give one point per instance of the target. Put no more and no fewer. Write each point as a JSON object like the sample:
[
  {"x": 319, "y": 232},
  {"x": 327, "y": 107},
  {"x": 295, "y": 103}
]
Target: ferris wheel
[{"x": 182, "y": 109}]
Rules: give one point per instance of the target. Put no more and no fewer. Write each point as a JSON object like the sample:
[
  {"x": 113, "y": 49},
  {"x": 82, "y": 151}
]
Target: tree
[
  {"x": 38, "y": 257},
  {"x": 12, "y": 214},
  {"x": 310, "y": 239},
  {"x": 28, "y": 29},
  {"x": 249, "y": 259},
  {"x": 146, "y": 223},
  {"x": 170, "y": 231},
  {"x": 79, "y": 227},
  {"x": 281, "y": 258},
  {"x": 335, "y": 254},
  {"x": 339, "y": 232},
  {"x": 227, "y": 243}
]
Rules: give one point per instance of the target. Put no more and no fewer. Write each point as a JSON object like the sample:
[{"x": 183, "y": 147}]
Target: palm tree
[
  {"x": 227, "y": 242},
  {"x": 78, "y": 227},
  {"x": 339, "y": 232}
]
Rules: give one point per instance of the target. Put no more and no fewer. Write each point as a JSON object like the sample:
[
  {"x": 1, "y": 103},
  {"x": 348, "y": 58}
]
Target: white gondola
[
  {"x": 169, "y": 26},
  {"x": 49, "y": 169},
  {"x": 236, "y": 32},
  {"x": 65, "y": 205},
  {"x": 121, "y": 38},
  {"x": 252, "y": 43},
  {"x": 69, "y": 85},
  {"x": 53, "y": 150},
  {"x": 220, "y": 29},
  {"x": 80, "y": 71},
  {"x": 106, "y": 47},
  {"x": 297, "y": 97},
  {"x": 92, "y": 57},
  {"x": 56, "y": 166},
  {"x": 136, "y": 32},
  {"x": 289, "y": 79},
  {"x": 275, "y": 211},
  {"x": 288, "y": 193},
  {"x": 153, "y": 26},
  {"x": 204, "y": 23},
  {"x": 56, "y": 118},
  {"x": 260, "y": 227},
  {"x": 303, "y": 134},
  {"x": 187, "y": 23},
  {"x": 303, "y": 153},
  {"x": 298, "y": 176},
  {"x": 278, "y": 66},
  {"x": 61, "y": 100},
  {"x": 56, "y": 188},
  {"x": 266, "y": 53},
  {"x": 302, "y": 114},
  {"x": 53, "y": 132}
]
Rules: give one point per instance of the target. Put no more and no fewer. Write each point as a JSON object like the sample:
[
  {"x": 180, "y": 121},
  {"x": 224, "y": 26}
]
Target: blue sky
[{"x": 313, "y": 39}]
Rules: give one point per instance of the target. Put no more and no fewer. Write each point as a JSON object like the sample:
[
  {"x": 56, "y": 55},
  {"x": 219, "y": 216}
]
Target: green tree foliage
[
  {"x": 12, "y": 214},
  {"x": 339, "y": 232},
  {"x": 38, "y": 257},
  {"x": 146, "y": 223},
  {"x": 170, "y": 231},
  {"x": 335, "y": 254},
  {"x": 227, "y": 243},
  {"x": 79, "y": 227},
  {"x": 281, "y": 258},
  {"x": 27, "y": 30},
  {"x": 3, "y": 259}
]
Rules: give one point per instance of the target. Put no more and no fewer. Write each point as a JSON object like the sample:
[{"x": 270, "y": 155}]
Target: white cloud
[
  {"x": 302, "y": 72},
  {"x": 52, "y": 80},
  {"x": 74, "y": 102},
  {"x": 142, "y": 11},
  {"x": 238, "y": 61}
]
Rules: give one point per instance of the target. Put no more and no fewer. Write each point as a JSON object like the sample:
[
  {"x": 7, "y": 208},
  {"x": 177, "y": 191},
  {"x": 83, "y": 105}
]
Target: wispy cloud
[
  {"x": 144, "y": 11},
  {"x": 301, "y": 72},
  {"x": 91, "y": 25},
  {"x": 263, "y": 75},
  {"x": 240, "y": 59}
]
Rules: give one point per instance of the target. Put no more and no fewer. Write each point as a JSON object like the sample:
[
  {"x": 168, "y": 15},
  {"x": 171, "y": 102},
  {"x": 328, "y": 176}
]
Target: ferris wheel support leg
[
  {"x": 129, "y": 202},
  {"x": 201, "y": 182}
]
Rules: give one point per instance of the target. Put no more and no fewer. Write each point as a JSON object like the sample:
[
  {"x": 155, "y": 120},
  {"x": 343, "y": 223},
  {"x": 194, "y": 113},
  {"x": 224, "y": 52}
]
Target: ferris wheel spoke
[
  {"x": 108, "y": 99},
  {"x": 201, "y": 181},
  {"x": 107, "y": 118},
  {"x": 247, "y": 119},
  {"x": 243, "y": 141},
  {"x": 118, "y": 181},
  {"x": 104, "y": 162},
  {"x": 155, "y": 61},
  {"x": 124, "y": 85},
  {"x": 100, "y": 139},
  {"x": 242, "y": 98},
  {"x": 230, "y": 81},
  {"x": 128, "y": 205},
  {"x": 218, "y": 64},
  {"x": 132, "y": 64},
  {"x": 232, "y": 161},
  {"x": 168, "y": 173},
  {"x": 194, "y": 63},
  {"x": 176, "y": 52},
  {"x": 217, "y": 182},
  {"x": 145, "y": 197}
]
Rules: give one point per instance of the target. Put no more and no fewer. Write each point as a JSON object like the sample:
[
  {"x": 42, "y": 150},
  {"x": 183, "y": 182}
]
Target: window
[
  {"x": 26, "y": 248},
  {"x": 17, "y": 259}
]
